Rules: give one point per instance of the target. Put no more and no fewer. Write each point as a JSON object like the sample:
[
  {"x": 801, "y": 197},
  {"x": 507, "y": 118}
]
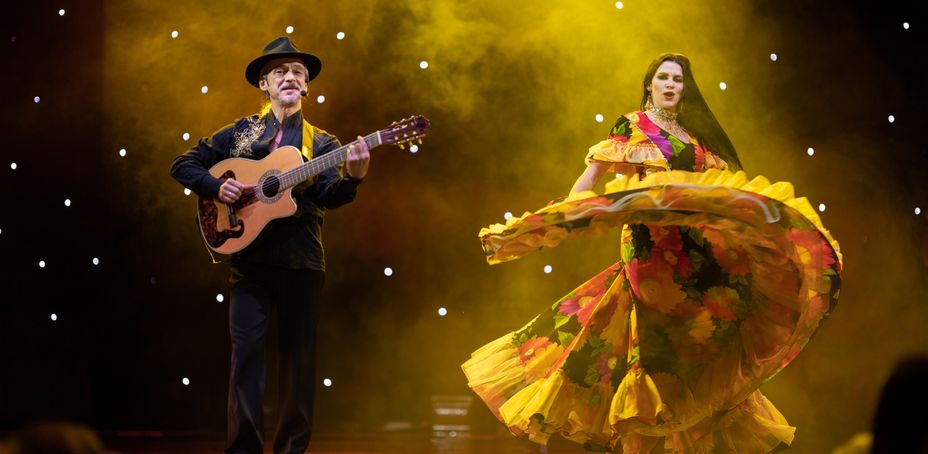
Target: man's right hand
[{"x": 230, "y": 191}]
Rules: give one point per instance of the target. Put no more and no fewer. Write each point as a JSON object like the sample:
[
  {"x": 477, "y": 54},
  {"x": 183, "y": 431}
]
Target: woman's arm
[{"x": 594, "y": 171}]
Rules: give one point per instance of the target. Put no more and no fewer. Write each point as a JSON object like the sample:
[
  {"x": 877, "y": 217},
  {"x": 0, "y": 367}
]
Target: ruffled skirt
[{"x": 721, "y": 283}]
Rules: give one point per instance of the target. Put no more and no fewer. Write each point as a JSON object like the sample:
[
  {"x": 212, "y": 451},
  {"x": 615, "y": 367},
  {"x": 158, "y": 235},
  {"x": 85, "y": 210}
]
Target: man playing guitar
[{"x": 282, "y": 270}]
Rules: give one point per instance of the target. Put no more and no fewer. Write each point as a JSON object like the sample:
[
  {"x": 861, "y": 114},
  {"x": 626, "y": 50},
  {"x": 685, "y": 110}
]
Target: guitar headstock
[{"x": 405, "y": 131}]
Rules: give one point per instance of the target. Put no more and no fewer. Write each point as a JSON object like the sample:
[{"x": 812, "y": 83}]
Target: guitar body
[{"x": 230, "y": 228}]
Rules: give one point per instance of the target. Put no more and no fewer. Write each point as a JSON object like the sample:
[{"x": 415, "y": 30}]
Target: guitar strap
[{"x": 309, "y": 135}]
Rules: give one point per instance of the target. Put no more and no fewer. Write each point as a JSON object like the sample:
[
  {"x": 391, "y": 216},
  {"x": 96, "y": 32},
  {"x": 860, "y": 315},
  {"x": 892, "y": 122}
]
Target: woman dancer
[{"x": 720, "y": 284}]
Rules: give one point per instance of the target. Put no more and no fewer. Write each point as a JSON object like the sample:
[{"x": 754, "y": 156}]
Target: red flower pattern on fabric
[
  {"x": 665, "y": 237},
  {"x": 733, "y": 259},
  {"x": 569, "y": 306},
  {"x": 719, "y": 301},
  {"x": 653, "y": 285},
  {"x": 677, "y": 259},
  {"x": 531, "y": 347},
  {"x": 581, "y": 306},
  {"x": 668, "y": 246},
  {"x": 812, "y": 248},
  {"x": 700, "y": 157}
]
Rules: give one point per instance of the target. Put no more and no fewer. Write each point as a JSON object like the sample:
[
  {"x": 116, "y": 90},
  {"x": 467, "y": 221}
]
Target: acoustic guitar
[{"x": 229, "y": 228}]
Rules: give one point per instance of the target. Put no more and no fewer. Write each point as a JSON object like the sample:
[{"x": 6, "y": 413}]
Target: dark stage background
[{"x": 512, "y": 90}]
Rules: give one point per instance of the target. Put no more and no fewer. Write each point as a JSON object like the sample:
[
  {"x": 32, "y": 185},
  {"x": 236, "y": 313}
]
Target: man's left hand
[{"x": 359, "y": 158}]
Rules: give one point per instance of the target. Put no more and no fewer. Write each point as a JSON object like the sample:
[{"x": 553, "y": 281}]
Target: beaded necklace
[{"x": 667, "y": 119}]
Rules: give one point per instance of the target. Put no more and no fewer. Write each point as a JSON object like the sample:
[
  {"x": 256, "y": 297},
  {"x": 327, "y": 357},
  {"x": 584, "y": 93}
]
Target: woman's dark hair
[{"x": 692, "y": 112}]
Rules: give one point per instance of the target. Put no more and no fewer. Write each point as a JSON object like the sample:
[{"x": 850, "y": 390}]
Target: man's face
[{"x": 284, "y": 79}]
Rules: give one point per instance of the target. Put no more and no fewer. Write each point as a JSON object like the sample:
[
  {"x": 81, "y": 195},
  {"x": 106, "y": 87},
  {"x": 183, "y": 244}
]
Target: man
[{"x": 284, "y": 268}]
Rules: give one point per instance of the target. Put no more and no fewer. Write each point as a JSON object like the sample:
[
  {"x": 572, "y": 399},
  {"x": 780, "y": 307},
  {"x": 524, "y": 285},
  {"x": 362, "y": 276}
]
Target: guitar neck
[{"x": 325, "y": 162}]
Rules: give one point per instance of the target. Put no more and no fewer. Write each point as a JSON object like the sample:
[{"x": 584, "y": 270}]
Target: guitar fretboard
[{"x": 318, "y": 165}]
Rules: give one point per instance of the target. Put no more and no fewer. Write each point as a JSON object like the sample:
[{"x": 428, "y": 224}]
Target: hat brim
[{"x": 312, "y": 63}]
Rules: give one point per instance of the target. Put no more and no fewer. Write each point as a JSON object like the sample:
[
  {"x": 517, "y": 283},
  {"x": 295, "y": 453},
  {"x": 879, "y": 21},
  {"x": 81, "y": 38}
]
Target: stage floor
[{"x": 378, "y": 443}]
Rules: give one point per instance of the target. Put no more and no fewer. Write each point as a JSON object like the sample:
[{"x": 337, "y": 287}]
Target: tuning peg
[
  {"x": 400, "y": 144},
  {"x": 420, "y": 141}
]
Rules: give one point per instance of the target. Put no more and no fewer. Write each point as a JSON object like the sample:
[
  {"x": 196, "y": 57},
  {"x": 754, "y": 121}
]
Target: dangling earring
[{"x": 647, "y": 104}]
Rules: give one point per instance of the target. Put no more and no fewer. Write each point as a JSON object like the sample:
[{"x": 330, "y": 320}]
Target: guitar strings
[{"x": 314, "y": 166}]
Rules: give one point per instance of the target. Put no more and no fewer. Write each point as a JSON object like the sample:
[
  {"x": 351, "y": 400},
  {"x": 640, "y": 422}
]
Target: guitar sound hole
[{"x": 271, "y": 186}]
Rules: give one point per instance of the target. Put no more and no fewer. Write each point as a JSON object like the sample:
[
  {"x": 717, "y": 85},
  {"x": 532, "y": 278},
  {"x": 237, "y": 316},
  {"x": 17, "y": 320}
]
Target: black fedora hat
[{"x": 282, "y": 47}]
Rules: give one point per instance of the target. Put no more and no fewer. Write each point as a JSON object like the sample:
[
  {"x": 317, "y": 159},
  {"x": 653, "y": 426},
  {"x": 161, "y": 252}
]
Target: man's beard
[{"x": 289, "y": 101}]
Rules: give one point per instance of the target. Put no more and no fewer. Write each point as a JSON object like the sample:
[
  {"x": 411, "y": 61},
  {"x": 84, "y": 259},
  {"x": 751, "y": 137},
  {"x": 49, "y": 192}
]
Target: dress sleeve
[{"x": 628, "y": 149}]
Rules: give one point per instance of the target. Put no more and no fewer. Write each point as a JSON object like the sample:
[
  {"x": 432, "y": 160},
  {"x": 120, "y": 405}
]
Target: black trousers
[{"x": 295, "y": 296}]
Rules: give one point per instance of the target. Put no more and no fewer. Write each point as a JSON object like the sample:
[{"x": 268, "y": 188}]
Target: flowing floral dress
[{"x": 721, "y": 282}]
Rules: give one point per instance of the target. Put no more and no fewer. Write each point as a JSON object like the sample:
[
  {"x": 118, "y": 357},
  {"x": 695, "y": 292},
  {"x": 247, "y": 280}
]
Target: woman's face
[{"x": 667, "y": 85}]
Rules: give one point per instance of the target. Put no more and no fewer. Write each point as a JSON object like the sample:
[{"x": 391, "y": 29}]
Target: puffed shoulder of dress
[{"x": 630, "y": 149}]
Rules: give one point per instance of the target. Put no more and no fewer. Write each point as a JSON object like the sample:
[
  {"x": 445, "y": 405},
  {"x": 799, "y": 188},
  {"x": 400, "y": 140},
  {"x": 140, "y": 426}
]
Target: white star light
[
  {"x": 423, "y": 64},
  {"x": 220, "y": 298},
  {"x": 388, "y": 271},
  {"x": 414, "y": 148},
  {"x": 340, "y": 35},
  {"x": 548, "y": 269},
  {"x": 67, "y": 202},
  {"x": 892, "y": 119},
  {"x": 918, "y": 211},
  {"x": 619, "y": 5},
  {"x": 905, "y": 25},
  {"x": 326, "y": 382},
  {"x": 61, "y": 12},
  {"x": 599, "y": 118},
  {"x": 95, "y": 261},
  {"x": 204, "y": 89},
  {"x": 13, "y": 165},
  {"x": 289, "y": 29},
  {"x": 320, "y": 99},
  {"x": 37, "y": 99},
  {"x": 187, "y": 191},
  {"x": 507, "y": 215},
  {"x": 185, "y": 381},
  {"x": 723, "y": 85},
  {"x": 174, "y": 34},
  {"x": 810, "y": 151},
  {"x": 821, "y": 207},
  {"x": 41, "y": 263},
  {"x": 186, "y": 136},
  {"x": 442, "y": 311},
  {"x": 54, "y": 317},
  {"x": 122, "y": 152},
  {"x": 773, "y": 57}
]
